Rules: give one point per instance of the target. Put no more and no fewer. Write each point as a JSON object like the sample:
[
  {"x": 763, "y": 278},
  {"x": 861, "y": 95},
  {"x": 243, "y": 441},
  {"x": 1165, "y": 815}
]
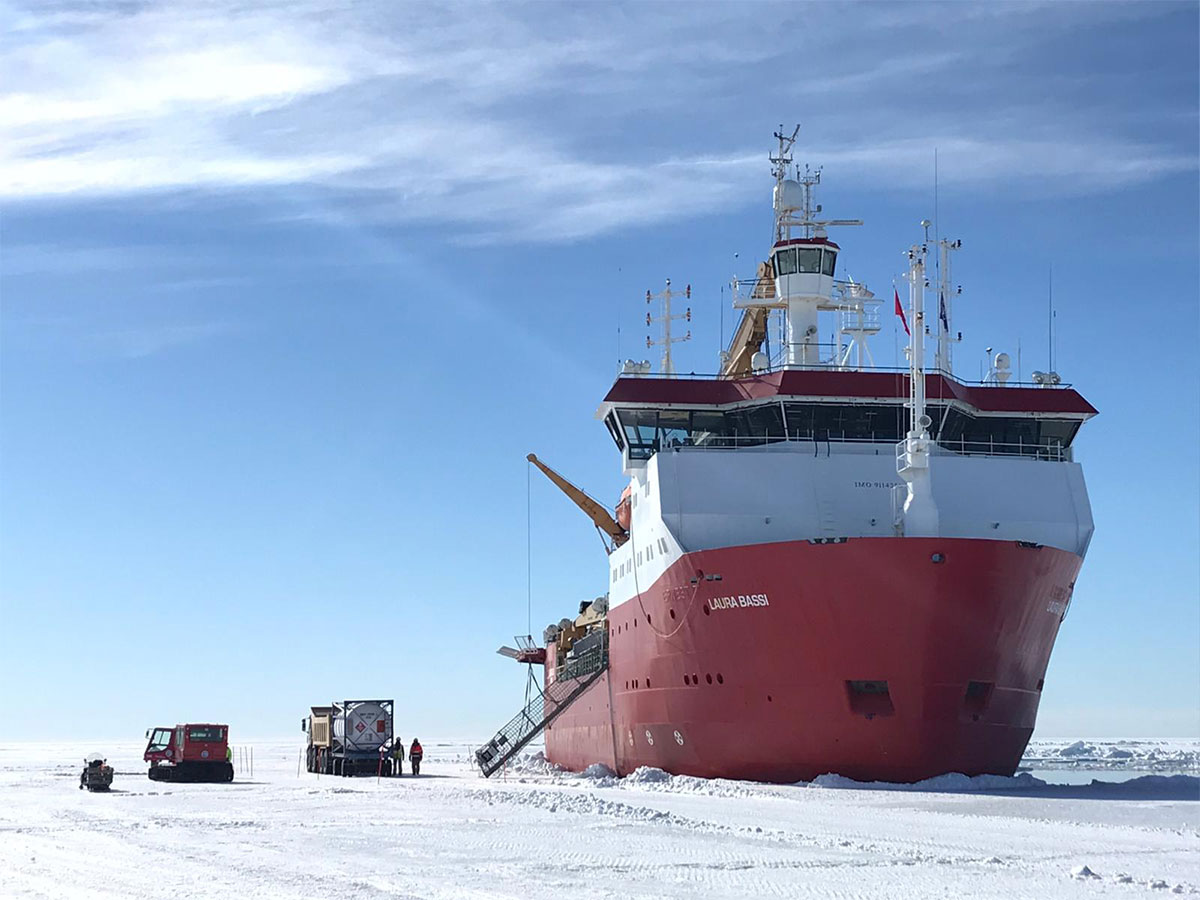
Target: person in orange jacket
[{"x": 414, "y": 756}]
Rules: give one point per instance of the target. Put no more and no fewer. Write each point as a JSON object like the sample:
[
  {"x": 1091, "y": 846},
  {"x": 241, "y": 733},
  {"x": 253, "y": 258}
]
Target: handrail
[
  {"x": 1051, "y": 451},
  {"x": 830, "y": 367},
  {"x": 576, "y": 677}
]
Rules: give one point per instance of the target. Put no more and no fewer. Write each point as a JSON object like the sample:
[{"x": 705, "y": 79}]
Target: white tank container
[{"x": 362, "y": 725}]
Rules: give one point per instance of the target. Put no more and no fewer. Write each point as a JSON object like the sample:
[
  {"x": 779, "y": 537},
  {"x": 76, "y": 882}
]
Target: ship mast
[
  {"x": 665, "y": 295},
  {"x": 803, "y": 285},
  {"x": 944, "y": 359},
  {"x": 920, "y": 517}
]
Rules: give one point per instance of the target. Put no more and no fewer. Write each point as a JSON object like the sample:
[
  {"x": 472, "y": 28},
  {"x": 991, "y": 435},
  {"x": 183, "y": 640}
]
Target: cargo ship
[{"x": 820, "y": 565}]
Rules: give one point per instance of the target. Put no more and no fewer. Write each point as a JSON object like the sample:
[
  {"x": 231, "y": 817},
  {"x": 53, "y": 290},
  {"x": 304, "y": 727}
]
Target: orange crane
[
  {"x": 752, "y": 328},
  {"x": 594, "y": 510}
]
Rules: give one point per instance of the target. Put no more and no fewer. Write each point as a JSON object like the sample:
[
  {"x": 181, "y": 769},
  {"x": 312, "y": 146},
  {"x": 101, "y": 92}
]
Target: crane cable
[
  {"x": 528, "y": 550},
  {"x": 638, "y": 590}
]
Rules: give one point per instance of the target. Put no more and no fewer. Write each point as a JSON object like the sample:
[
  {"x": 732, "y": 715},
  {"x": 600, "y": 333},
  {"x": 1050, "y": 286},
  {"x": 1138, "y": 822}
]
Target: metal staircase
[{"x": 575, "y": 677}]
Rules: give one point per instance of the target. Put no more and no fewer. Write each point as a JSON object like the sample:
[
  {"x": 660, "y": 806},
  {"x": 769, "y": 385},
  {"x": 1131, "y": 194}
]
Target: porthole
[
  {"x": 769, "y": 698},
  {"x": 686, "y": 680},
  {"x": 720, "y": 680},
  {"x": 672, "y": 613},
  {"x": 647, "y": 682},
  {"x": 707, "y": 611},
  {"x": 708, "y": 678}
]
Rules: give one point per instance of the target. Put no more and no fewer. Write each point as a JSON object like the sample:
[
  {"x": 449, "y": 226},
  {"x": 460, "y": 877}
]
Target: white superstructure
[{"x": 823, "y": 447}]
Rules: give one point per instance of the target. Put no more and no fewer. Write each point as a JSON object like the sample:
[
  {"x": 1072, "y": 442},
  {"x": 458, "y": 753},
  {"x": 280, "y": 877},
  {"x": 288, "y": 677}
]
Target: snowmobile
[{"x": 97, "y": 774}]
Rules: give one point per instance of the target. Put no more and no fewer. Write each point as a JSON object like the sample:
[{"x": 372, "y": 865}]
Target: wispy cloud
[
  {"x": 91, "y": 335},
  {"x": 540, "y": 122},
  {"x": 152, "y": 340}
]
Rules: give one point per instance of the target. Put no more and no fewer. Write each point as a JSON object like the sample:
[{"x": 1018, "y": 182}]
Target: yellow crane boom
[
  {"x": 752, "y": 328},
  {"x": 593, "y": 510}
]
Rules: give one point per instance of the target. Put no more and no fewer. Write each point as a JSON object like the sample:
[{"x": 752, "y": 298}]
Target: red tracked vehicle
[{"x": 193, "y": 752}]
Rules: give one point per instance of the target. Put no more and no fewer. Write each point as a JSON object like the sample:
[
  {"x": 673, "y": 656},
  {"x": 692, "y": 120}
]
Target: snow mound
[
  {"x": 950, "y": 783},
  {"x": 649, "y": 778},
  {"x": 647, "y": 775},
  {"x": 1147, "y": 787},
  {"x": 598, "y": 770},
  {"x": 532, "y": 764}
]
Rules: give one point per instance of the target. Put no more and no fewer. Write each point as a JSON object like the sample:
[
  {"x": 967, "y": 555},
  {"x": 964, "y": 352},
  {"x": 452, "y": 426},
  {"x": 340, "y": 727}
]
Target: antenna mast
[
  {"x": 946, "y": 294},
  {"x": 781, "y": 163},
  {"x": 668, "y": 367},
  {"x": 920, "y": 517}
]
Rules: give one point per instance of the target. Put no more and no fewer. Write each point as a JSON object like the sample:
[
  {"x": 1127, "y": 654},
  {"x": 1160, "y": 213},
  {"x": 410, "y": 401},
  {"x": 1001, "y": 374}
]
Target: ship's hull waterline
[{"x": 892, "y": 659}]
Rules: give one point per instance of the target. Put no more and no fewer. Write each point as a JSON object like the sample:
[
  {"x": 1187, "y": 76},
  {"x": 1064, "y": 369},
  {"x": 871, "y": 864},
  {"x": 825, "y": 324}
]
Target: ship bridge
[
  {"x": 647, "y": 415},
  {"x": 804, "y": 267}
]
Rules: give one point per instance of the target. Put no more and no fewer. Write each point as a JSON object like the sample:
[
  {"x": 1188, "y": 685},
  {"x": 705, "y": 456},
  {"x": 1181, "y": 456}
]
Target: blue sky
[{"x": 289, "y": 291}]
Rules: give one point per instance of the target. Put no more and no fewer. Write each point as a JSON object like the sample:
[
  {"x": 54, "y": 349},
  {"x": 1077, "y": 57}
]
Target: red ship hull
[{"x": 867, "y": 658}]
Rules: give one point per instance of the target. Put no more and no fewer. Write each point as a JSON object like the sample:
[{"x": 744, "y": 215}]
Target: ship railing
[
  {"x": 579, "y": 674},
  {"x": 823, "y": 445},
  {"x": 778, "y": 365}
]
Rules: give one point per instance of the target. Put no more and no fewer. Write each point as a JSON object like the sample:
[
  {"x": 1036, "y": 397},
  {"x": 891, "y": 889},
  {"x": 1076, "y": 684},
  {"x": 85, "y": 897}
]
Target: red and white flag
[{"x": 900, "y": 312}]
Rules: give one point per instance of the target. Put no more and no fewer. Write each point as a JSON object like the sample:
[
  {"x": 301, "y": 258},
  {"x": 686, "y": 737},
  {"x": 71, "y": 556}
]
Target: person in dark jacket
[{"x": 414, "y": 756}]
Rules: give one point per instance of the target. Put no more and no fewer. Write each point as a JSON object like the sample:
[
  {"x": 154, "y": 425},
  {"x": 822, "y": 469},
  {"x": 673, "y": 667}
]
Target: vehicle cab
[{"x": 192, "y": 742}]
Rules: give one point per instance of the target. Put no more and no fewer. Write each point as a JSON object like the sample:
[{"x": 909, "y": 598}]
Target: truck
[
  {"x": 192, "y": 752},
  {"x": 350, "y": 737}
]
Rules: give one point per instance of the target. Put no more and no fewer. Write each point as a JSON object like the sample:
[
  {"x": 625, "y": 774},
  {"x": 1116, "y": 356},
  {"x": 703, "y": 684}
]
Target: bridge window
[
  {"x": 754, "y": 424},
  {"x": 614, "y": 429},
  {"x": 823, "y": 422},
  {"x": 785, "y": 261},
  {"x": 674, "y": 428},
  {"x": 640, "y": 426},
  {"x": 808, "y": 260},
  {"x": 649, "y": 431},
  {"x": 1007, "y": 435},
  {"x": 828, "y": 261}
]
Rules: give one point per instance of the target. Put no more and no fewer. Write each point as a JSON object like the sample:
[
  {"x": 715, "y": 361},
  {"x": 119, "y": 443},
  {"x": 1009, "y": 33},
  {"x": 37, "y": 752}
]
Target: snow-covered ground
[{"x": 541, "y": 833}]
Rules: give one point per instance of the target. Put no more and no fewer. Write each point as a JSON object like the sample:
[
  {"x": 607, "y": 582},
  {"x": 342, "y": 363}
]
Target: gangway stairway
[{"x": 573, "y": 679}]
